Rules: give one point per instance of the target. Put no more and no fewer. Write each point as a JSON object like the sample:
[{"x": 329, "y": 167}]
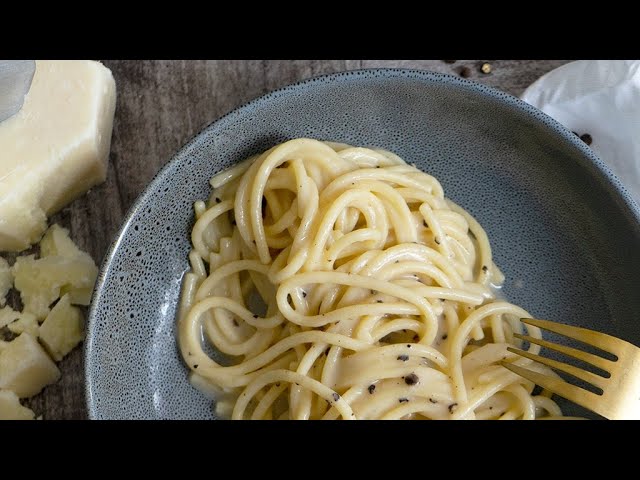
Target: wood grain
[{"x": 161, "y": 104}]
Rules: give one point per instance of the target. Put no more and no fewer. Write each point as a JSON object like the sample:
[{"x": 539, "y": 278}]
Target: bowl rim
[{"x": 588, "y": 160}]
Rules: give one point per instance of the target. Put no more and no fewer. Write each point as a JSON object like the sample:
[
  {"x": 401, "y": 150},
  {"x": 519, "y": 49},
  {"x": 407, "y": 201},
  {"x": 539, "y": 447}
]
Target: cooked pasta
[{"x": 339, "y": 282}]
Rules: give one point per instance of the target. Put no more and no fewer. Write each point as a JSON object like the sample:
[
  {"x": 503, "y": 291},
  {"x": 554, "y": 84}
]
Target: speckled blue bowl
[{"x": 562, "y": 228}]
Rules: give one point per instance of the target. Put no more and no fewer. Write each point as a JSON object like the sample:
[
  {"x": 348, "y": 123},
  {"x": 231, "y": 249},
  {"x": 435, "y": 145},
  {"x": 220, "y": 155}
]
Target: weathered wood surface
[{"x": 161, "y": 104}]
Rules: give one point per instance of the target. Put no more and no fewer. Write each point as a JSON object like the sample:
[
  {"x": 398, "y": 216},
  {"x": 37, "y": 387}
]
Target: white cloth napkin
[{"x": 601, "y": 98}]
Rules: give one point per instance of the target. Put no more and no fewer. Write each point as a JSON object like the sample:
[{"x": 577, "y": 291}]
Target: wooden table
[{"x": 161, "y": 104}]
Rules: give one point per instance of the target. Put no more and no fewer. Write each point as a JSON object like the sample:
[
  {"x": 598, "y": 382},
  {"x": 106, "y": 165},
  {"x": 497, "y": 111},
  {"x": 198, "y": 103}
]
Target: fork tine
[
  {"x": 601, "y": 363},
  {"x": 558, "y": 386},
  {"x": 597, "y": 339},
  {"x": 589, "y": 377}
]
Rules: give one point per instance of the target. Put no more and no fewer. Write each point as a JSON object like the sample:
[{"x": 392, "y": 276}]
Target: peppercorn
[
  {"x": 411, "y": 379},
  {"x": 465, "y": 72}
]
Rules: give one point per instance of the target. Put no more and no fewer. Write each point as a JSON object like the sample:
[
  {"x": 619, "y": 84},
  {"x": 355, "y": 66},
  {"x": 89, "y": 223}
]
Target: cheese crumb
[
  {"x": 63, "y": 270},
  {"x": 6, "y": 281}
]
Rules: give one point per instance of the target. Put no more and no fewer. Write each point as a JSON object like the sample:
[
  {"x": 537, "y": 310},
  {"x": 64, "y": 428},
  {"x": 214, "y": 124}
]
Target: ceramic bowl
[{"x": 562, "y": 228}]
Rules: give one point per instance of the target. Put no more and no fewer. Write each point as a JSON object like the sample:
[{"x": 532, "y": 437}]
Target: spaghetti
[{"x": 339, "y": 282}]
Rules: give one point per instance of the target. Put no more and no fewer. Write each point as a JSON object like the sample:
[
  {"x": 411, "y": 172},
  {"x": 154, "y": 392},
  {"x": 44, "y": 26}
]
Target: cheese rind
[{"x": 55, "y": 148}]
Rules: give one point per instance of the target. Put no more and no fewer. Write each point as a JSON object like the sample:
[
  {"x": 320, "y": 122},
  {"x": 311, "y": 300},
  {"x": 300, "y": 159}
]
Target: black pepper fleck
[
  {"x": 424, "y": 222},
  {"x": 408, "y": 345},
  {"x": 452, "y": 407},
  {"x": 195, "y": 366},
  {"x": 403, "y": 358},
  {"x": 432, "y": 400},
  {"x": 437, "y": 241},
  {"x": 379, "y": 301},
  {"x": 484, "y": 268},
  {"x": 304, "y": 294},
  {"x": 218, "y": 200},
  {"x": 411, "y": 379},
  {"x": 403, "y": 400},
  {"x": 445, "y": 336},
  {"x": 255, "y": 316},
  {"x": 235, "y": 323},
  {"x": 372, "y": 388},
  {"x": 336, "y": 397}
]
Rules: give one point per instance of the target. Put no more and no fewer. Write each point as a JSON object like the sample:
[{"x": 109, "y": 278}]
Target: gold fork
[{"x": 620, "y": 397}]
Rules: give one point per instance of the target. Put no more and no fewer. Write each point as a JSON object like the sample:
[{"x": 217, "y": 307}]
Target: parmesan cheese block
[{"x": 55, "y": 148}]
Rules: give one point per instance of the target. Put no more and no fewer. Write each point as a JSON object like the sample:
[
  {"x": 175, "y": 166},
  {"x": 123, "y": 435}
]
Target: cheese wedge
[{"x": 55, "y": 148}]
